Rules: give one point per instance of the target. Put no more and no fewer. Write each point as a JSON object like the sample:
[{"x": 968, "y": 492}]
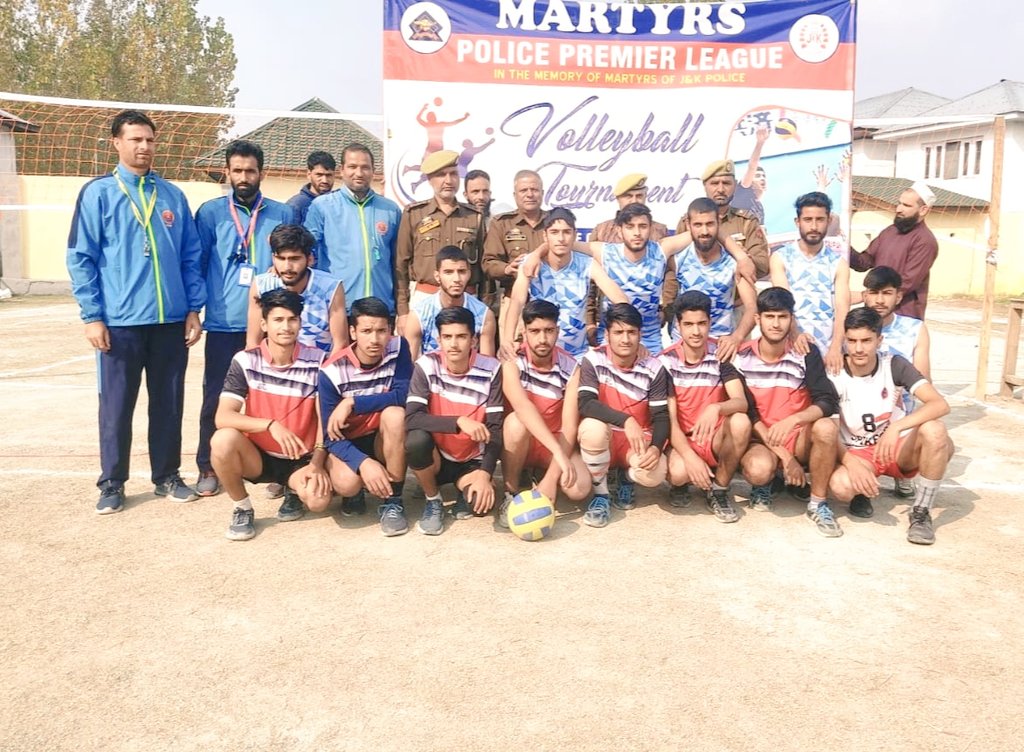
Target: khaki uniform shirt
[
  {"x": 423, "y": 231},
  {"x": 509, "y": 236}
]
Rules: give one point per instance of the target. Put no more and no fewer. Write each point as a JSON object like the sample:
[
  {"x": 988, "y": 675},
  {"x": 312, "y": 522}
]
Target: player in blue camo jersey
[{"x": 563, "y": 278}]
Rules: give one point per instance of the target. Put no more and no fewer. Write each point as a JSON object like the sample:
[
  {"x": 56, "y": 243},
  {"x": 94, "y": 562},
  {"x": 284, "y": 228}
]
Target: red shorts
[
  {"x": 538, "y": 455},
  {"x": 620, "y": 450},
  {"x": 704, "y": 452},
  {"x": 891, "y": 469},
  {"x": 789, "y": 443}
]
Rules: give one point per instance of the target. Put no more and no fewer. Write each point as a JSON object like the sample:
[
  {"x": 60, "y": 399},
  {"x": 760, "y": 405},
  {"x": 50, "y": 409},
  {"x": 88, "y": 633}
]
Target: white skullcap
[{"x": 924, "y": 192}]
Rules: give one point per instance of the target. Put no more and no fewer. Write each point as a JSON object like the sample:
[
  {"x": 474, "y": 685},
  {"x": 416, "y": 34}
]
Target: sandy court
[{"x": 148, "y": 630}]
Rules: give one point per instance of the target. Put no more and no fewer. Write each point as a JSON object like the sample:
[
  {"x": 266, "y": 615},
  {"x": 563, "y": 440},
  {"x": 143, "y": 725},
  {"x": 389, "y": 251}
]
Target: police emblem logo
[
  {"x": 425, "y": 27},
  {"x": 814, "y": 38},
  {"x": 168, "y": 217}
]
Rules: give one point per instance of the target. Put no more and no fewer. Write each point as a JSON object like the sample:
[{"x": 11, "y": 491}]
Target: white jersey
[{"x": 868, "y": 404}]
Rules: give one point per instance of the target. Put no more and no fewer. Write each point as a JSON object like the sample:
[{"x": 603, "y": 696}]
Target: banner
[{"x": 588, "y": 92}]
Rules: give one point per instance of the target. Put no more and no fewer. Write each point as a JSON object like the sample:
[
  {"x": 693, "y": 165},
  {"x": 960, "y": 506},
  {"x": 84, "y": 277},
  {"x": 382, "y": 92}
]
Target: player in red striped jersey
[
  {"x": 793, "y": 400},
  {"x": 277, "y": 438},
  {"x": 707, "y": 408},
  {"x": 453, "y": 421},
  {"x": 624, "y": 403},
  {"x": 541, "y": 385}
]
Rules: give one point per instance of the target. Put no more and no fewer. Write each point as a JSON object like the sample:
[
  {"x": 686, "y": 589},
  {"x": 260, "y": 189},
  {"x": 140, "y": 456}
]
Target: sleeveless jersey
[
  {"x": 427, "y": 309},
  {"x": 641, "y": 282},
  {"x": 567, "y": 288},
  {"x": 717, "y": 280},
  {"x": 316, "y": 305},
  {"x": 812, "y": 282}
]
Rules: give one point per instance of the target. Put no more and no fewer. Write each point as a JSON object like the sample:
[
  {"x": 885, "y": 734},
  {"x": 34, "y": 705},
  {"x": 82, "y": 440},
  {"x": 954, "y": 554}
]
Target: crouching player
[
  {"x": 624, "y": 405},
  {"x": 541, "y": 386},
  {"x": 363, "y": 389},
  {"x": 453, "y": 421},
  {"x": 793, "y": 400},
  {"x": 707, "y": 409},
  {"x": 277, "y": 437},
  {"x": 876, "y": 436}
]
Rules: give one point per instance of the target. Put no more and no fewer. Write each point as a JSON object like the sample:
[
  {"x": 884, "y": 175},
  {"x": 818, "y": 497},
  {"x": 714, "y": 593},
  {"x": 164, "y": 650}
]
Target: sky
[{"x": 288, "y": 53}]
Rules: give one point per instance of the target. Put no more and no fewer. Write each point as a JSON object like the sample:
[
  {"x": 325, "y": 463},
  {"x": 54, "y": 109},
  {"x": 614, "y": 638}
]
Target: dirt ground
[{"x": 148, "y": 630}]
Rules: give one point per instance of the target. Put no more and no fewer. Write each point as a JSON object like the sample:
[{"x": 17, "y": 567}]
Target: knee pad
[{"x": 419, "y": 449}]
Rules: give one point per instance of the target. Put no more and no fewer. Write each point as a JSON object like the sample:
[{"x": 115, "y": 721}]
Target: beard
[{"x": 904, "y": 224}]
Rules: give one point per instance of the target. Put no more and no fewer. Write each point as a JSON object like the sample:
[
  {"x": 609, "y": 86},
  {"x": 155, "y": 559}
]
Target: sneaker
[
  {"x": 599, "y": 511},
  {"x": 503, "y": 511},
  {"x": 208, "y": 485},
  {"x": 274, "y": 491},
  {"x": 825, "y": 521},
  {"x": 679, "y": 496},
  {"x": 242, "y": 527},
  {"x": 353, "y": 506},
  {"x": 175, "y": 489},
  {"x": 921, "y": 531},
  {"x": 718, "y": 502},
  {"x": 623, "y": 498},
  {"x": 291, "y": 508},
  {"x": 860, "y": 506},
  {"x": 111, "y": 500},
  {"x": 460, "y": 509},
  {"x": 432, "y": 521},
  {"x": 905, "y": 488},
  {"x": 392, "y": 517},
  {"x": 761, "y": 498},
  {"x": 802, "y": 493}
]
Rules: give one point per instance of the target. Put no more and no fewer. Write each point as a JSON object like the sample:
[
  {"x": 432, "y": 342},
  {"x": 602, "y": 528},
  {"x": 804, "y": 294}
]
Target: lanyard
[
  {"x": 144, "y": 216},
  {"x": 245, "y": 235}
]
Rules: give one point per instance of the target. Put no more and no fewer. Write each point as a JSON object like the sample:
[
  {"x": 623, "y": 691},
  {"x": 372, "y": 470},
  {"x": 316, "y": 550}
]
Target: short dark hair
[
  {"x": 280, "y": 298},
  {"x": 130, "y": 117},
  {"x": 243, "y": 148},
  {"x": 455, "y": 315},
  {"x": 321, "y": 159},
  {"x": 775, "y": 299},
  {"x": 540, "y": 309},
  {"x": 474, "y": 174},
  {"x": 632, "y": 212},
  {"x": 623, "y": 313},
  {"x": 881, "y": 277},
  {"x": 702, "y": 205},
  {"x": 558, "y": 214},
  {"x": 691, "y": 300},
  {"x": 450, "y": 253},
  {"x": 286, "y": 237},
  {"x": 375, "y": 308},
  {"x": 863, "y": 318},
  {"x": 357, "y": 147},
  {"x": 814, "y": 198}
]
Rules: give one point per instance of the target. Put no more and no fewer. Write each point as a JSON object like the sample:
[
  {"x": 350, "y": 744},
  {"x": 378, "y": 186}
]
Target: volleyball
[{"x": 531, "y": 515}]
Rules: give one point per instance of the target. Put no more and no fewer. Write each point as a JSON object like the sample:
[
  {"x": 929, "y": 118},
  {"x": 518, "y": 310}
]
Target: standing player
[
  {"x": 453, "y": 421},
  {"x": 707, "y": 408},
  {"x": 133, "y": 256},
  {"x": 452, "y": 275},
  {"x": 818, "y": 277},
  {"x": 320, "y": 167},
  {"x": 363, "y": 390},
  {"x": 541, "y": 385},
  {"x": 877, "y": 437},
  {"x": 277, "y": 437},
  {"x": 234, "y": 234},
  {"x": 793, "y": 400},
  {"x": 624, "y": 405},
  {"x": 324, "y": 323},
  {"x": 565, "y": 276}
]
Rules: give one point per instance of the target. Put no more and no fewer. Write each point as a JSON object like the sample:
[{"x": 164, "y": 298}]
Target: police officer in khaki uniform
[
  {"x": 428, "y": 226},
  {"x": 631, "y": 189},
  {"x": 512, "y": 235}
]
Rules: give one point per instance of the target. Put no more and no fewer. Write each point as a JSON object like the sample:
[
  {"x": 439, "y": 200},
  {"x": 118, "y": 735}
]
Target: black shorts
[
  {"x": 278, "y": 469},
  {"x": 452, "y": 471},
  {"x": 366, "y": 444}
]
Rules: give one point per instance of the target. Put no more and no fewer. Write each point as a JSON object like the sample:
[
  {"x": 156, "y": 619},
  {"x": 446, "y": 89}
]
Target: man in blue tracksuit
[
  {"x": 355, "y": 231},
  {"x": 234, "y": 233},
  {"x": 320, "y": 169},
  {"x": 133, "y": 257}
]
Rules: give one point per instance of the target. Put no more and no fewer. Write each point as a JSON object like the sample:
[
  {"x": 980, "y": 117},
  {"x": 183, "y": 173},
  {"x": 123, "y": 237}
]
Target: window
[
  {"x": 952, "y": 161},
  {"x": 938, "y": 162},
  {"x": 967, "y": 158},
  {"x": 927, "y": 162},
  {"x": 977, "y": 157}
]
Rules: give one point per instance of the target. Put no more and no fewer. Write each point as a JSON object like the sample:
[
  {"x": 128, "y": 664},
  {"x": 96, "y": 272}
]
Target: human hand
[
  {"x": 193, "y": 329},
  {"x": 762, "y": 133},
  {"x": 779, "y": 432},
  {"x": 474, "y": 429},
  {"x": 98, "y": 335},
  {"x": 801, "y": 343},
  {"x": 480, "y": 492},
  {"x": 292, "y": 446},
  {"x": 697, "y": 471},
  {"x": 568, "y": 477},
  {"x": 887, "y": 446},
  {"x": 862, "y": 476},
  {"x": 726, "y": 347},
  {"x": 648, "y": 460},
  {"x": 834, "y": 359},
  {"x": 375, "y": 478},
  {"x": 635, "y": 436},
  {"x": 704, "y": 428},
  {"x": 507, "y": 352},
  {"x": 820, "y": 174},
  {"x": 793, "y": 472},
  {"x": 314, "y": 482},
  {"x": 338, "y": 421}
]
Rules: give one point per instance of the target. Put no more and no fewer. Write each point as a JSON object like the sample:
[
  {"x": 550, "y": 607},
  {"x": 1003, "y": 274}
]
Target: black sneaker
[
  {"x": 460, "y": 509},
  {"x": 803, "y": 493},
  {"x": 111, "y": 499},
  {"x": 242, "y": 527},
  {"x": 175, "y": 489},
  {"x": 718, "y": 502},
  {"x": 861, "y": 506},
  {"x": 392, "y": 517},
  {"x": 679, "y": 496},
  {"x": 761, "y": 498},
  {"x": 353, "y": 506},
  {"x": 921, "y": 531},
  {"x": 291, "y": 508}
]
